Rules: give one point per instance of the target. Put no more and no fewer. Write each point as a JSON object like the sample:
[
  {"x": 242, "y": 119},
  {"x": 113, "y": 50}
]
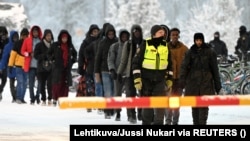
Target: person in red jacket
[{"x": 30, "y": 63}]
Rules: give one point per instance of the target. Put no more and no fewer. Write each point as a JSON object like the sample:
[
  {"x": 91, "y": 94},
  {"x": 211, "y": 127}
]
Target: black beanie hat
[
  {"x": 25, "y": 31},
  {"x": 243, "y": 28},
  {"x": 3, "y": 29},
  {"x": 199, "y": 36},
  {"x": 155, "y": 28}
]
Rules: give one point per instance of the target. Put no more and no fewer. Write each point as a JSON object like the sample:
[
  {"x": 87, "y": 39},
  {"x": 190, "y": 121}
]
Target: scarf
[{"x": 65, "y": 52}]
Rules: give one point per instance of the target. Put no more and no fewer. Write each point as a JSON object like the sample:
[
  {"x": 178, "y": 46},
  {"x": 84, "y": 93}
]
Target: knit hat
[
  {"x": 3, "y": 29},
  {"x": 243, "y": 28},
  {"x": 217, "y": 34},
  {"x": 24, "y": 31},
  {"x": 199, "y": 36},
  {"x": 155, "y": 28}
]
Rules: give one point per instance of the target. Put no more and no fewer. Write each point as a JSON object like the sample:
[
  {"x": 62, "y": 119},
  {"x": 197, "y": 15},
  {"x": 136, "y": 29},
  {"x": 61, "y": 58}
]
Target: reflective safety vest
[{"x": 155, "y": 59}]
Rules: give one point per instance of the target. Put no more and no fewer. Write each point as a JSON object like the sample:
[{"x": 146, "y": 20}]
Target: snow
[
  {"x": 43, "y": 123},
  {"x": 24, "y": 122}
]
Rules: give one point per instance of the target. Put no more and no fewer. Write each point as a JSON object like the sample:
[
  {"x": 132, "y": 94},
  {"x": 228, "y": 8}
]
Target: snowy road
[{"x": 43, "y": 123}]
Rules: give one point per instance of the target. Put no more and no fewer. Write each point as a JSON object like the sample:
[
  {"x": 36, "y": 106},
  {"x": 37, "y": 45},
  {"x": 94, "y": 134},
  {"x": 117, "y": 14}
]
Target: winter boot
[
  {"x": 118, "y": 117},
  {"x": 195, "y": 115}
]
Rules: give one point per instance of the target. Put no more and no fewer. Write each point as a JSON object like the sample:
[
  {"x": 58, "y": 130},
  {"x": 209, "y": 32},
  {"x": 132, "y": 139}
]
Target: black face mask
[
  {"x": 216, "y": 38},
  {"x": 242, "y": 33},
  {"x": 157, "y": 41}
]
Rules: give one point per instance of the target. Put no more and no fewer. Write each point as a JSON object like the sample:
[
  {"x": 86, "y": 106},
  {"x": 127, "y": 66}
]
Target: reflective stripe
[
  {"x": 170, "y": 73},
  {"x": 136, "y": 71}
]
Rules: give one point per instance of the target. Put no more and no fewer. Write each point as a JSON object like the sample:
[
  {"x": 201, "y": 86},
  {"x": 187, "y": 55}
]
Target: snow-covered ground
[{"x": 27, "y": 122}]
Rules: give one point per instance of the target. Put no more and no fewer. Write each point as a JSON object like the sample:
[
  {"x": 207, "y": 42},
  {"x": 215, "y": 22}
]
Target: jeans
[
  {"x": 21, "y": 77},
  {"x": 108, "y": 84},
  {"x": 108, "y": 87},
  {"x": 32, "y": 77},
  {"x": 98, "y": 89}
]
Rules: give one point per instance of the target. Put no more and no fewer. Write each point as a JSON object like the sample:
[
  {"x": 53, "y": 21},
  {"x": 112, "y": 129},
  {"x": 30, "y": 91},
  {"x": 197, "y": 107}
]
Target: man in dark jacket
[
  {"x": 101, "y": 65},
  {"x": 219, "y": 46},
  {"x": 125, "y": 68},
  {"x": 85, "y": 61},
  {"x": 243, "y": 44},
  {"x": 114, "y": 59},
  {"x": 200, "y": 75}
]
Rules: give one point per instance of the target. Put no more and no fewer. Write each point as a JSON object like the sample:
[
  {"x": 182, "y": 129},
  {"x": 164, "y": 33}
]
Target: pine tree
[
  {"x": 222, "y": 16},
  {"x": 124, "y": 13}
]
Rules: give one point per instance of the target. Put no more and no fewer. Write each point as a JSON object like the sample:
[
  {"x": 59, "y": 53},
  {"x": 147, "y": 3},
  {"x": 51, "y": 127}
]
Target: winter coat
[
  {"x": 85, "y": 59},
  {"x": 55, "y": 54},
  {"x": 16, "y": 58},
  {"x": 6, "y": 55},
  {"x": 27, "y": 47},
  {"x": 219, "y": 46},
  {"x": 199, "y": 71},
  {"x": 177, "y": 55},
  {"x": 41, "y": 54},
  {"x": 115, "y": 52},
  {"x": 101, "y": 64},
  {"x": 128, "y": 52}
]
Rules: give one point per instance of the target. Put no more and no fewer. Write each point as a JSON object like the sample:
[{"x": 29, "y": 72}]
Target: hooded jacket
[
  {"x": 6, "y": 55},
  {"x": 129, "y": 50},
  {"x": 115, "y": 52},
  {"x": 41, "y": 51},
  {"x": 55, "y": 54},
  {"x": 27, "y": 47},
  {"x": 101, "y": 64},
  {"x": 200, "y": 69}
]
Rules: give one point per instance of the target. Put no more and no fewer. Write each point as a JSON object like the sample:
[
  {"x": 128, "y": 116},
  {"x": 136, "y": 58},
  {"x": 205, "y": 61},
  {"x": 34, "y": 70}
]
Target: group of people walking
[
  {"x": 35, "y": 55},
  {"x": 159, "y": 65}
]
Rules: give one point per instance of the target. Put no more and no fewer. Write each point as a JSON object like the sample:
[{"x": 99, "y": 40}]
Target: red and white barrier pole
[{"x": 153, "y": 102}]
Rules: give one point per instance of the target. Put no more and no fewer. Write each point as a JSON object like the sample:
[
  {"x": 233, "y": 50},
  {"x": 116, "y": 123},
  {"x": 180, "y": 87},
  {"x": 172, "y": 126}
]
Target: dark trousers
[
  {"x": 153, "y": 116},
  {"x": 130, "y": 92},
  {"x": 13, "y": 88},
  {"x": 44, "y": 83},
  {"x": 3, "y": 77},
  {"x": 32, "y": 74},
  {"x": 200, "y": 115},
  {"x": 118, "y": 89}
]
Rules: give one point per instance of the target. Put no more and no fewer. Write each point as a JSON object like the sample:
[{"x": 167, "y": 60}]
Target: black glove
[
  {"x": 113, "y": 74},
  {"x": 119, "y": 78},
  {"x": 80, "y": 70},
  {"x": 10, "y": 70}
]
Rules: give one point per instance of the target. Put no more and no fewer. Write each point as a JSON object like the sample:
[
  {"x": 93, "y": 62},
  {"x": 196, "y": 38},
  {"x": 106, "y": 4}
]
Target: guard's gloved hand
[
  {"x": 169, "y": 83},
  {"x": 113, "y": 74},
  {"x": 138, "y": 83}
]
